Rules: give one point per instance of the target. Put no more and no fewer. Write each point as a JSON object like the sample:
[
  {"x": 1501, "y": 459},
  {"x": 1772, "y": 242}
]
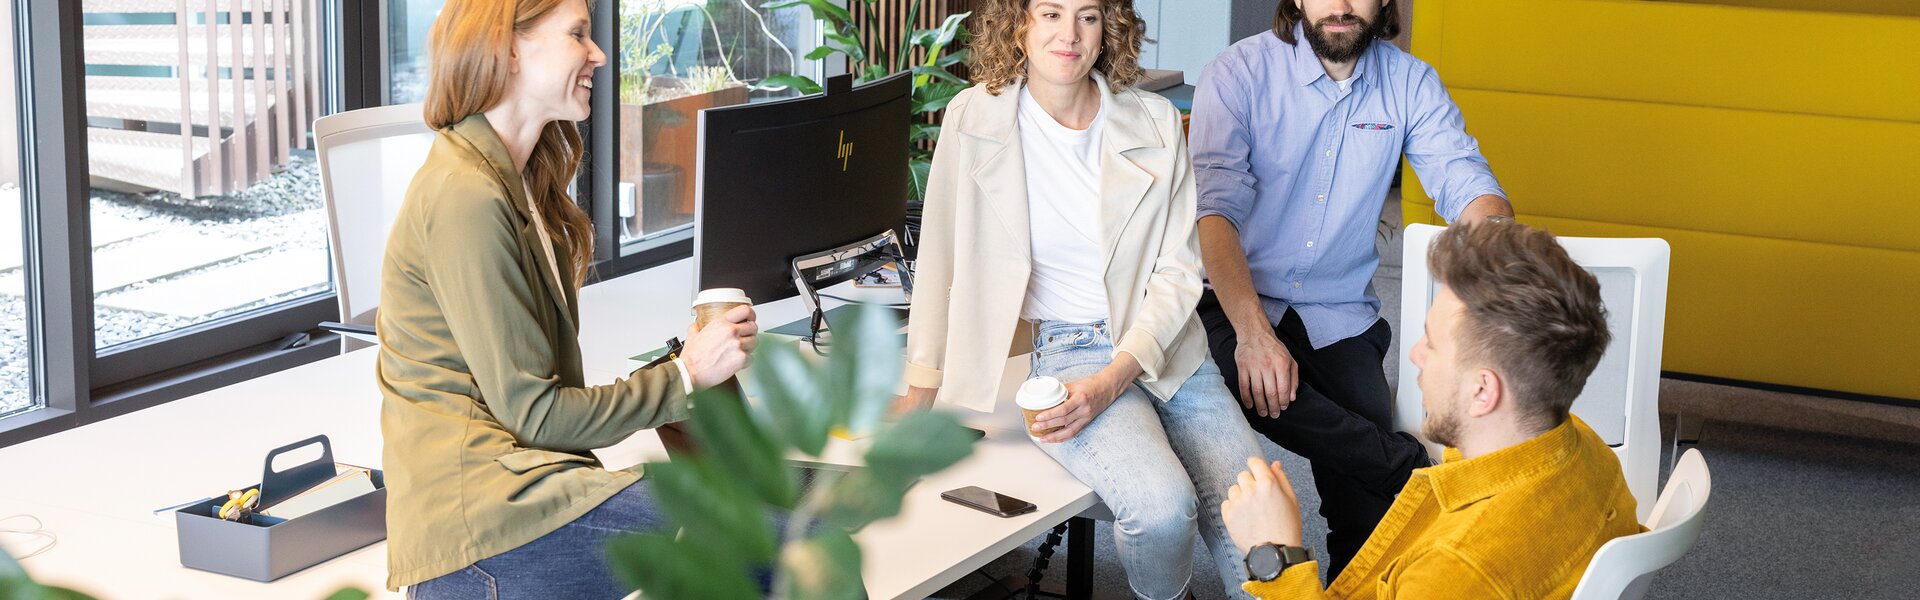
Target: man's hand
[
  {"x": 1269, "y": 378},
  {"x": 1261, "y": 509},
  {"x": 716, "y": 352},
  {"x": 1087, "y": 397}
]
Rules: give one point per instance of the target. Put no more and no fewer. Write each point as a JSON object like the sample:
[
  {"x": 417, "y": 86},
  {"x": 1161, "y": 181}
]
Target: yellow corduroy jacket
[
  {"x": 487, "y": 419},
  {"x": 1517, "y": 523}
]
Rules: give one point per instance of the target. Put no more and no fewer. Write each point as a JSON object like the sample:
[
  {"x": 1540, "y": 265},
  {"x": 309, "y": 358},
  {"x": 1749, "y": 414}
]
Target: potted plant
[
  {"x": 933, "y": 84},
  {"x": 717, "y": 501},
  {"x": 657, "y": 139}
]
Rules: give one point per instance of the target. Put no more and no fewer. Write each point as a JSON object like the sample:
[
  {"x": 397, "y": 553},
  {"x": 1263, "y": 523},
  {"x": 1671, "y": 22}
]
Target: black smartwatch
[{"x": 1265, "y": 562}]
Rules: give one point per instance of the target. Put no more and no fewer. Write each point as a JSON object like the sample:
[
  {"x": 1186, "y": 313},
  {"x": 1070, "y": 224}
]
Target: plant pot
[{"x": 659, "y": 150}]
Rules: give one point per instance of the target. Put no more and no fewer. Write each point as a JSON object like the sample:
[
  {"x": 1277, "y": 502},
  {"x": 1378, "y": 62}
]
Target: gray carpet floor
[{"x": 1812, "y": 497}]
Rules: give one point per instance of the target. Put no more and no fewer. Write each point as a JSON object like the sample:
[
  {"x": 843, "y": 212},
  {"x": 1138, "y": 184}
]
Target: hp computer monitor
[{"x": 800, "y": 177}]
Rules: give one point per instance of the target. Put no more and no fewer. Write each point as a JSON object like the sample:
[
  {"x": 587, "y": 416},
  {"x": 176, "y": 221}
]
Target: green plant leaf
[
  {"x": 934, "y": 96},
  {"x": 821, "y": 51},
  {"x": 743, "y": 451},
  {"x": 861, "y": 375},
  {"x": 937, "y": 73},
  {"x": 790, "y": 392},
  {"x": 348, "y": 594},
  {"x": 862, "y": 497},
  {"x": 15, "y": 584},
  {"x": 823, "y": 567},
  {"x": 664, "y": 568},
  {"x": 824, "y": 10},
  {"x": 949, "y": 29},
  {"x": 919, "y": 169},
  {"x": 875, "y": 72},
  {"x": 923, "y": 132},
  {"x": 713, "y": 508},
  {"x": 801, "y": 83},
  {"x": 954, "y": 58},
  {"x": 923, "y": 443}
]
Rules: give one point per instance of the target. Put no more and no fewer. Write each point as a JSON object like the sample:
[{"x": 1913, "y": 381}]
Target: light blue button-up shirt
[{"x": 1301, "y": 168}]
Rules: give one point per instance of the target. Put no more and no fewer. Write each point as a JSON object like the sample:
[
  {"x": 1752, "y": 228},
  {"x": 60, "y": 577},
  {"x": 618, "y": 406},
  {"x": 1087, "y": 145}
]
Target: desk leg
[{"x": 1079, "y": 558}]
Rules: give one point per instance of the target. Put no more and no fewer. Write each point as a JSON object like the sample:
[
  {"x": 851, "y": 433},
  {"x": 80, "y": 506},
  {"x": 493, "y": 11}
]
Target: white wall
[{"x": 1187, "y": 34}]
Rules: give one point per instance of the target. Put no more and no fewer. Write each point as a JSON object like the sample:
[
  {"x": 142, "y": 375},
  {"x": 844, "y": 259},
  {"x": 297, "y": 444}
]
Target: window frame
[{"x": 76, "y": 384}]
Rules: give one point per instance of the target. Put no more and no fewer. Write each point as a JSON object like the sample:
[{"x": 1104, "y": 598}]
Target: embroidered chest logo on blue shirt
[{"x": 1373, "y": 126}]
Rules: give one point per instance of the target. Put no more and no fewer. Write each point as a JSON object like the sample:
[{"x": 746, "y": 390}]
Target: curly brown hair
[{"x": 999, "y": 54}]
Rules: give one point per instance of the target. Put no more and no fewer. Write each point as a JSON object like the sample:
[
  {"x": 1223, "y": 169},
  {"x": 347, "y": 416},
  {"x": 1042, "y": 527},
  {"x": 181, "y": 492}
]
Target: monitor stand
[{"x": 842, "y": 264}]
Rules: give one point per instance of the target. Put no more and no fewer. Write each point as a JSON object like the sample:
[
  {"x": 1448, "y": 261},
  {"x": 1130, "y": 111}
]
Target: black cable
[{"x": 1040, "y": 562}]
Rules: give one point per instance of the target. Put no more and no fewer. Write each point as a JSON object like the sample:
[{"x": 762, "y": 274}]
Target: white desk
[{"x": 96, "y": 486}]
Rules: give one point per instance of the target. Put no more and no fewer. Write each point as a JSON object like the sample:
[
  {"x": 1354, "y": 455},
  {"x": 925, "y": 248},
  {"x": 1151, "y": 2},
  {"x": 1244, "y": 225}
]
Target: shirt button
[
  {"x": 1309, "y": 243},
  {"x": 1329, "y": 154},
  {"x": 1322, "y": 198},
  {"x": 1296, "y": 285}
]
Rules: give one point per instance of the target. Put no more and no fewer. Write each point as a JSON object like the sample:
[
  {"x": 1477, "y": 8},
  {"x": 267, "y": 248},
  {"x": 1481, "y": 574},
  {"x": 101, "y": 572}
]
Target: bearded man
[{"x": 1294, "y": 148}]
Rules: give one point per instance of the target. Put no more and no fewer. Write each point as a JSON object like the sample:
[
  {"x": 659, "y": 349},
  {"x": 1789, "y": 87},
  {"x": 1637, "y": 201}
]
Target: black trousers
[{"x": 1340, "y": 421}]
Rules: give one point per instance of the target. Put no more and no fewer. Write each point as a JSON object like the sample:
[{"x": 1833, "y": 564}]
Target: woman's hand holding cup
[{"x": 721, "y": 340}]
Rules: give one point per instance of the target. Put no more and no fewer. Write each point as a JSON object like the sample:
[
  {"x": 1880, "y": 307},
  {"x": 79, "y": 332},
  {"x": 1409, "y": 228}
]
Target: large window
[
  {"x": 161, "y": 224},
  {"x": 205, "y": 198},
  {"x": 675, "y": 58}
]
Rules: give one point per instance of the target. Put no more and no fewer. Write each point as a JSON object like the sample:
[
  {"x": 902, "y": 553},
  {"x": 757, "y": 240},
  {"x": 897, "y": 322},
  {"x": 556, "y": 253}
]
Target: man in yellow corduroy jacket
[{"x": 1527, "y": 492}]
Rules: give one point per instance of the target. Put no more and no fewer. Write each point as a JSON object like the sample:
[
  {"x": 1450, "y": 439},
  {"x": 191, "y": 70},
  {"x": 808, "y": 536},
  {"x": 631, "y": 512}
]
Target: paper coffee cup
[
  {"x": 711, "y": 303},
  {"x": 1037, "y": 395}
]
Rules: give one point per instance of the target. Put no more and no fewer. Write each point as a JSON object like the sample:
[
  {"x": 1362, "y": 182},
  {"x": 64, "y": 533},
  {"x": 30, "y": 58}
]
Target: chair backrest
[
  {"x": 1623, "y": 567},
  {"x": 367, "y": 159},
  {"x": 1621, "y": 400}
]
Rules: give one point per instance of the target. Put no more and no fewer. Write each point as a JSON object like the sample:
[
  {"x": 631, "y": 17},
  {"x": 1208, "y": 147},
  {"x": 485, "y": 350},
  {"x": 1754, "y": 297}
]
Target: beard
[
  {"x": 1443, "y": 426},
  {"x": 1341, "y": 47}
]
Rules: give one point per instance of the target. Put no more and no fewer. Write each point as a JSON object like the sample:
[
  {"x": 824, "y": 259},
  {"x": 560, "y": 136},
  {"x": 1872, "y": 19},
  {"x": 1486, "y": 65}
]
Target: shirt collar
[{"x": 1459, "y": 482}]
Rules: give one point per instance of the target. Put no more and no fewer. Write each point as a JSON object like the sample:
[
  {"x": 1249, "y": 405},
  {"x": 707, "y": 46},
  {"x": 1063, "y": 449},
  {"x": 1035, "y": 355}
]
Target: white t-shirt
[{"x": 1063, "y": 217}]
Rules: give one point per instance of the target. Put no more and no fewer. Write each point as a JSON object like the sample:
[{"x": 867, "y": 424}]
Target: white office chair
[
  {"x": 367, "y": 159},
  {"x": 1622, "y": 398},
  {"x": 1623, "y": 567}
]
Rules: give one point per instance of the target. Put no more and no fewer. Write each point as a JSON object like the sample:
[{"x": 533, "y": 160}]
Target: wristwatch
[{"x": 1266, "y": 562}]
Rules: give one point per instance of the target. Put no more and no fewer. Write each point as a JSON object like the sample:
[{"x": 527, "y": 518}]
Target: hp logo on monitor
[{"x": 846, "y": 151}]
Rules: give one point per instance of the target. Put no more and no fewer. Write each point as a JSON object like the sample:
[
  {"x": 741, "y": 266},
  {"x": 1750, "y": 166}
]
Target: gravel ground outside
[{"x": 285, "y": 212}]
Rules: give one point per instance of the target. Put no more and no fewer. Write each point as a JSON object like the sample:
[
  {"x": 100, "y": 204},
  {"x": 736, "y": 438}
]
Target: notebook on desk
[{"x": 351, "y": 482}]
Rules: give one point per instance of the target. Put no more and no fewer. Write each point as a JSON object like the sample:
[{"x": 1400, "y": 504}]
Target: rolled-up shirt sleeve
[
  {"x": 1221, "y": 142},
  {"x": 1451, "y": 168}
]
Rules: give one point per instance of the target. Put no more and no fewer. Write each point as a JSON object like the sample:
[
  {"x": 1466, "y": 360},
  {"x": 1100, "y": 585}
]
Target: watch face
[{"x": 1263, "y": 562}]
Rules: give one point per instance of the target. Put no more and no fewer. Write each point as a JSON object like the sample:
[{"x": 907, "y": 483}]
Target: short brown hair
[
  {"x": 998, "y": 54},
  {"x": 1531, "y": 313},
  {"x": 1386, "y": 27}
]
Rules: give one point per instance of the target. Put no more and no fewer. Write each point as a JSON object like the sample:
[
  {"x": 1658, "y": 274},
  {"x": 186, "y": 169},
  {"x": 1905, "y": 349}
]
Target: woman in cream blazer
[
  {"x": 1061, "y": 199},
  {"x": 487, "y": 419}
]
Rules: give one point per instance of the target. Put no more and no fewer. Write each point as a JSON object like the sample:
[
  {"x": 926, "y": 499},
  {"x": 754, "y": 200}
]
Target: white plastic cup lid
[
  {"x": 1040, "y": 393},
  {"x": 733, "y": 295}
]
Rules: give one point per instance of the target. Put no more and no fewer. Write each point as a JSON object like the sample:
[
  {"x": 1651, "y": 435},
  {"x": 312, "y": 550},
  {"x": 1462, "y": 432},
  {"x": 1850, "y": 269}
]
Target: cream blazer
[{"x": 976, "y": 254}]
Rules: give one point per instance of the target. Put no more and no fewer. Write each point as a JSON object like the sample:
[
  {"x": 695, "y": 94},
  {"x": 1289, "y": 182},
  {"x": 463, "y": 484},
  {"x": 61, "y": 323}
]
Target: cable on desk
[
  {"x": 39, "y": 530},
  {"x": 852, "y": 301}
]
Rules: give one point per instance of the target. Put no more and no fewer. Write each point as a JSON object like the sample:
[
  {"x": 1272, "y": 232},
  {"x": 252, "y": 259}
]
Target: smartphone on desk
[{"x": 987, "y": 501}]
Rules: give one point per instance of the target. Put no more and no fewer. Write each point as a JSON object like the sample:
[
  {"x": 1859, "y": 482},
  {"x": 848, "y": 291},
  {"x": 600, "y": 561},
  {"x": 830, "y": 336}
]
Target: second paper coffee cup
[{"x": 1037, "y": 395}]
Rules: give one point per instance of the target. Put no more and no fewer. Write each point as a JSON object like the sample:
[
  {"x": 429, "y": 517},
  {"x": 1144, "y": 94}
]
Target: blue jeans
[
  {"x": 570, "y": 562},
  {"x": 1162, "y": 467}
]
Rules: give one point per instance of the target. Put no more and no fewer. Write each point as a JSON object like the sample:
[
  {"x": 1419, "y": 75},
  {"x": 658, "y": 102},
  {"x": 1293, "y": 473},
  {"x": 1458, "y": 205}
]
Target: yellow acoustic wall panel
[
  {"x": 1777, "y": 151},
  {"x": 1786, "y": 61},
  {"x": 1768, "y": 174},
  {"x": 1904, "y": 8}
]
